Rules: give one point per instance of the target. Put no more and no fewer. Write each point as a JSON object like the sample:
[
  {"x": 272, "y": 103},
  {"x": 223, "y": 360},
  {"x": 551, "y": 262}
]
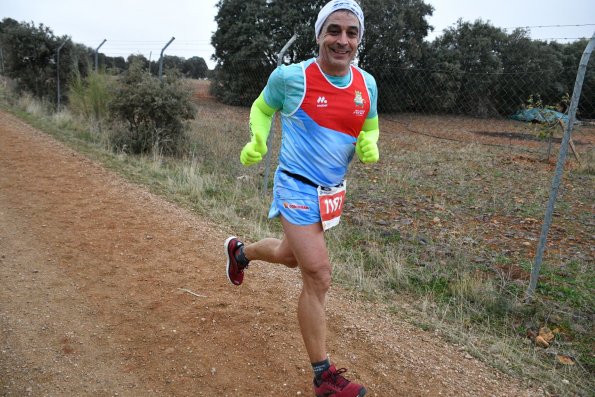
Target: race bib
[{"x": 330, "y": 200}]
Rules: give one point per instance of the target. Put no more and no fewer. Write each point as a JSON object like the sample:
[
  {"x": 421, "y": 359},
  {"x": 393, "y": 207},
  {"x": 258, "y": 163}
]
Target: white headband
[{"x": 335, "y": 5}]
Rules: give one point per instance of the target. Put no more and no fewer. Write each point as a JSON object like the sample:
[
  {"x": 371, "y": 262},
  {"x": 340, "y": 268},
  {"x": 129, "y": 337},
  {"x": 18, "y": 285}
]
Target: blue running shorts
[{"x": 295, "y": 200}]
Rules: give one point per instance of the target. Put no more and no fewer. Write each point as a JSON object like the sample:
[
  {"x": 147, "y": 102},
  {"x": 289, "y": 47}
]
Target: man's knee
[{"x": 318, "y": 276}]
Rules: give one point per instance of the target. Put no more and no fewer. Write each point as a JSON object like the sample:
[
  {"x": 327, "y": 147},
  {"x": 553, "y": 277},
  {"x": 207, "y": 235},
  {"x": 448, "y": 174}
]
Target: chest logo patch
[{"x": 359, "y": 99}]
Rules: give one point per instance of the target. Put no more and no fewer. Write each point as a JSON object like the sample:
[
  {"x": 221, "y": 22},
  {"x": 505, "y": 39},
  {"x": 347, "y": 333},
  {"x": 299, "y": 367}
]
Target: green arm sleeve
[
  {"x": 261, "y": 117},
  {"x": 371, "y": 129}
]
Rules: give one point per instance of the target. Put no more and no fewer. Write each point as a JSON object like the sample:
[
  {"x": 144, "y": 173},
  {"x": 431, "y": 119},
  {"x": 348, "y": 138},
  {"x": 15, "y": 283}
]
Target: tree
[
  {"x": 240, "y": 43},
  {"x": 29, "y": 53},
  {"x": 392, "y": 44},
  {"x": 115, "y": 65},
  {"x": 394, "y": 33},
  {"x": 195, "y": 68},
  {"x": 139, "y": 59},
  {"x": 171, "y": 62},
  {"x": 570, "y": 58},
  {"x": 531, "y": 68},
  {"x": 30, "y": 56},
  {"x": 467, "y": 62},
  {"x": 284, "y": 22}
]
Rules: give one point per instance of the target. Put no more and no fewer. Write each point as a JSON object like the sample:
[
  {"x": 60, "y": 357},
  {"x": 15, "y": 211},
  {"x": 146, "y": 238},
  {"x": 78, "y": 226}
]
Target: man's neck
[{"x": 330, "y": 71}]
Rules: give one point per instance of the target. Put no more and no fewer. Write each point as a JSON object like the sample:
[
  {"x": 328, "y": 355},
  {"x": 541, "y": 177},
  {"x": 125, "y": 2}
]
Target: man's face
[{"x": 338, "y": 42}]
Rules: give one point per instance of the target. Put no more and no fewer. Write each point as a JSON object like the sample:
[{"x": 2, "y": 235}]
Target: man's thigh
[{"x": 307, "y": 244}]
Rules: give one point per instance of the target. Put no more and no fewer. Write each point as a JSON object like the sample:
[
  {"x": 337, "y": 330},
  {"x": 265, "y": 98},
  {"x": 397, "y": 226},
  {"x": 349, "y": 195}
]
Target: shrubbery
[
  {"x": 89, "y": 98},
  {"x": 29, "y": 56},
  {"x": 154, "y": 113}
]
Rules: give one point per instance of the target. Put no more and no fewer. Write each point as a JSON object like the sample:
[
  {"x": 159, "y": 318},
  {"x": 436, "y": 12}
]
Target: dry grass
[{"x": 31, "y": 105}]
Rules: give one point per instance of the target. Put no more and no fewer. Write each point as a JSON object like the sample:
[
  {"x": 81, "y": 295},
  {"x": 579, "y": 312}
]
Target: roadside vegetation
[{"x": 439, "y": 233}]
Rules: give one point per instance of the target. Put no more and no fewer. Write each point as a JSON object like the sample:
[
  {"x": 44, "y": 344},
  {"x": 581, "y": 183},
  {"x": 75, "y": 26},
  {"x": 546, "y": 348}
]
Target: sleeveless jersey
[{"x": 319, "y": 137}]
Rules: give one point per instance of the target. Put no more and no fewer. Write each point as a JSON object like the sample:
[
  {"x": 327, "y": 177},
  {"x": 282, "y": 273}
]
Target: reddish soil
[{"x": 97, "y": 299}]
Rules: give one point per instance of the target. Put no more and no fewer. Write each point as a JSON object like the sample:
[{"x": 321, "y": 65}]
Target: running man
[{"x": 328, "y": 114}]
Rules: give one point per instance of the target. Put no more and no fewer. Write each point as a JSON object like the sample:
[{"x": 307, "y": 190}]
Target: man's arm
[{"x": 261, "y": 117}]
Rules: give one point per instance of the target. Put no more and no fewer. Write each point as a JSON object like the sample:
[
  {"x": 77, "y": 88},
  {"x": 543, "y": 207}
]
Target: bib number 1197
[{"x": 331, "y": 201}]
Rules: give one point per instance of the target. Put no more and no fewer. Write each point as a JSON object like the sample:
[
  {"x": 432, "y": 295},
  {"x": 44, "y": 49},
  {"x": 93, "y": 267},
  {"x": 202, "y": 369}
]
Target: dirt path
[{"x": 91, "y": 300}]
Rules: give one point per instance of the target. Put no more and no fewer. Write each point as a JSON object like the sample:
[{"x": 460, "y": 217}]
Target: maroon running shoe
[
  {"x": 332, "y": 383},
  {"x": 235, "y": 270}
]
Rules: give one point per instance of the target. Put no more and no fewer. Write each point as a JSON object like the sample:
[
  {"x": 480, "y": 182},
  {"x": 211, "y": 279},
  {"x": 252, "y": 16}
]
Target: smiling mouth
[{"x": 340, "y": 52}]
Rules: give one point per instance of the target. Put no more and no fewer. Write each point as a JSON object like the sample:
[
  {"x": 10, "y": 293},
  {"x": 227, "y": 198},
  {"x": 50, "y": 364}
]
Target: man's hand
[
  {"x": 366, "y": 147},
  {"x": 254, "y": 151}
]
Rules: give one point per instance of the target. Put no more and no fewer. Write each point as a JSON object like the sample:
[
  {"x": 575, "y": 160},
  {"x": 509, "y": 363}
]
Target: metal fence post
[
  {"x": 161, "y": 57},
  {"x": 58, "y": 76},
  {"x": 97, "y": 49},
  {"x": 267, "y": 159},
  {"x": 576, "y": 94},
  {"x": 2, "y": 60}
]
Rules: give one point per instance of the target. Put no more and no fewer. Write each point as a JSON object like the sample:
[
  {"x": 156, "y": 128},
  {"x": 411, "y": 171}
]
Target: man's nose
[{"x": 343, "y": 38}]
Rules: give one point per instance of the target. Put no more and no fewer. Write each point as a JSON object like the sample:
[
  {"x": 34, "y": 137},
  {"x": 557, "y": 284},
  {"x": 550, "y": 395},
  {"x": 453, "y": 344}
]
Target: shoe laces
[
  {"x": 237, "y": 255},
  {"x": 337, "y": 379}
]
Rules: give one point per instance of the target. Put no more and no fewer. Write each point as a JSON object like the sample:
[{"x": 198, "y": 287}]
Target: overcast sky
[{"x": 145, "y": 26}]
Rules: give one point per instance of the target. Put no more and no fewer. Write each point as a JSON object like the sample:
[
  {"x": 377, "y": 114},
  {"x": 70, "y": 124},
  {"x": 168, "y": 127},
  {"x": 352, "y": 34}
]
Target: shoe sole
[
  {"x": 226, "y": 245},
  {"x": 361, "y": 393}
]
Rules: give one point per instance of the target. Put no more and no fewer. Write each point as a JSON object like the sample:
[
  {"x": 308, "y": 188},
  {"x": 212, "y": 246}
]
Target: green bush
[
  {"x": 89, "y": 98},
  {"x": 155, "y": 113},
  {"x": 29, "y": 57}
]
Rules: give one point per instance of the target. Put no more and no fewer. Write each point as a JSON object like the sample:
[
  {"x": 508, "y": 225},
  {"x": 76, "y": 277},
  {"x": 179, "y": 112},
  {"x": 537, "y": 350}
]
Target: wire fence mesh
[{"x": 525, "y": 110}]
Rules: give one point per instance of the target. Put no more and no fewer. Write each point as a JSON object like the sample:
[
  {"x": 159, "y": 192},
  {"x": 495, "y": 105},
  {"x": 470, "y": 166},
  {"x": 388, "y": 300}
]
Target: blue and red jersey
[{"x": 321, "y": 118}]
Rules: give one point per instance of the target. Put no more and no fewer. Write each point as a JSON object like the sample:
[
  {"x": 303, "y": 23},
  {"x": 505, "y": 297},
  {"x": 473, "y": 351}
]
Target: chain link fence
[{"x": 524, "y": 110}]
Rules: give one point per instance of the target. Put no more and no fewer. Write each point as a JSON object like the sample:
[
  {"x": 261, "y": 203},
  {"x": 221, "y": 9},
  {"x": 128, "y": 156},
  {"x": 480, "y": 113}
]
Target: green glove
[
  {"x": 366, "y": 146},
  {"x": 254, "y": 151}
]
